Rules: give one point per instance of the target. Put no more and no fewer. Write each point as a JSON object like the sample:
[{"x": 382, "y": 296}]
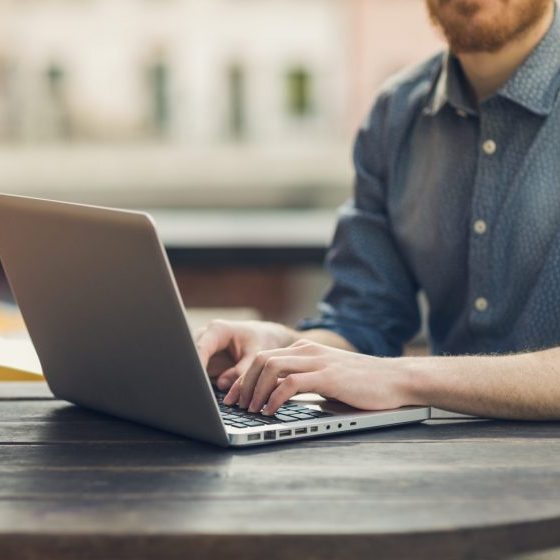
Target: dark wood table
[{"x": 76, "y": 484}]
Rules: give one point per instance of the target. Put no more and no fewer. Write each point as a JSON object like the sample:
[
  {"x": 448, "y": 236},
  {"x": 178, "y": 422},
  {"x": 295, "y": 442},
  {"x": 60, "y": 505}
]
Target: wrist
[
  {"x": 418, "y": 381},
  {"x": 285, "y": 336},
  {"x": 291, "y": 336}
]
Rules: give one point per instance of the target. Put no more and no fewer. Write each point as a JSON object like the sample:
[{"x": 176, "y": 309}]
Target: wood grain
[{"x": 77, "y": 484}]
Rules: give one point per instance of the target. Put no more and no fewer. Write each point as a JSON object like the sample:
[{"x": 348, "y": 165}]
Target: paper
[{"x": 18, "y": 355}]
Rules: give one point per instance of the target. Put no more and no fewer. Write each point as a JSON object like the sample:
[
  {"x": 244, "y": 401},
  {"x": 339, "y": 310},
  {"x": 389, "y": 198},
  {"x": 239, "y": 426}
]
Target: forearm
[{"x": 521, "y": 386}]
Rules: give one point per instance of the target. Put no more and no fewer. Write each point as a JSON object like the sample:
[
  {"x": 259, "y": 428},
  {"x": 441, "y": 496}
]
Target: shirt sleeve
[{"x": 372, "y": 301}]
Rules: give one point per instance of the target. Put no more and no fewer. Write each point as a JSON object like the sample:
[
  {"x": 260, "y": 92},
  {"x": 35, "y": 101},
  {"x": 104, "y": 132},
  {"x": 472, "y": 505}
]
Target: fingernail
[
  {"x": 266, "y": 411},
  {"x": 253, "y": 408}
]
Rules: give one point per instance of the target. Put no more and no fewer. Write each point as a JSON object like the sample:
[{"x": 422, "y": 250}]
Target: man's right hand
[{"x": 227, "y": 348}]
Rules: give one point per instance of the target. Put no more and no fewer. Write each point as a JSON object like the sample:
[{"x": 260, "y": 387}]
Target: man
[{"x": 457, "y": 194}]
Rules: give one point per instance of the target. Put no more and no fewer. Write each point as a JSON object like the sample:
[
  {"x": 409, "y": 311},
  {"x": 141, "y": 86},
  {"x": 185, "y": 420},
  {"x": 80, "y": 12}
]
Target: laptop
[{"x": 101, "y": 305}]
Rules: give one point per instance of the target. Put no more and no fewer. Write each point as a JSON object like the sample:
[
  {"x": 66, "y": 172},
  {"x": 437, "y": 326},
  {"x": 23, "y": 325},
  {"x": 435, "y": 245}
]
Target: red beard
[{"x": 485, "y": 25}]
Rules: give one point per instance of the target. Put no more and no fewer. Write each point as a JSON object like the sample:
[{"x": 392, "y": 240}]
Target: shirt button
[
  {"x": 489, "y": 147},
  {"x": 480, "y": 227},
  {"x": 481, "y": 304}
]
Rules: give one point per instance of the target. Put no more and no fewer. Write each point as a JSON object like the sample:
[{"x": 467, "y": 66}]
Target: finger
[
  {"x": 275, "y": 369},
  {"x": 199, "y": 332},
  {"x": 300, "y": 342},
  {"x": 293, "y": 384},
  {"x": 245, "y": 363},
  {"x": 251, "y": 377},
  {"x": 226, "y": 379},
  {"x": 248, "y": 381},
  {"x": 232, "y": 397},
  {"x": 304, "y": 343},
  {"x": 215, "y": 338}
]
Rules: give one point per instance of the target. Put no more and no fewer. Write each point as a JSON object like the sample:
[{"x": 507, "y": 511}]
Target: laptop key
[
  {"x": 319, "y": 413},
  {"x": 289, "y": 413},
  {"x": 303, "y": 416},
  {"x": 286, "y": 418},
  {"x": 268, "y": 419}
]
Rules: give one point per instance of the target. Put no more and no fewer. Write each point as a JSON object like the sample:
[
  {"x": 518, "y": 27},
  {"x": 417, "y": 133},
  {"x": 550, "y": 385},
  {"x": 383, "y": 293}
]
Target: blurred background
[{"x": 231, "y": 120}]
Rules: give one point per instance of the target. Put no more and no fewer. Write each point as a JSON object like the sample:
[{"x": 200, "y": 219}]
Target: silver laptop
[{"x": 103, "y": 310}]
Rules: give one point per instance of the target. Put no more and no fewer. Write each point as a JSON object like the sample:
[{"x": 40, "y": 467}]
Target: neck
[{"x": 487, "y": 72}]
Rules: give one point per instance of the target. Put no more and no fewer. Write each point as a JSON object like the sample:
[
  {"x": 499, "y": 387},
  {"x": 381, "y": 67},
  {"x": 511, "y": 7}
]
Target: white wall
[{"x": 348, "y": 46}]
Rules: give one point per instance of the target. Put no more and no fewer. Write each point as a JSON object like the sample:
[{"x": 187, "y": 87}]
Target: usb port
[
  {"x": 269, "y": 435},
  {"x": 300, "y": 431},
  {"x": 284, "y": 433},
  {"x": 352, "y": 423},
  {"x": 254, "y": 437},
  {"x": 314, "y": 429}
]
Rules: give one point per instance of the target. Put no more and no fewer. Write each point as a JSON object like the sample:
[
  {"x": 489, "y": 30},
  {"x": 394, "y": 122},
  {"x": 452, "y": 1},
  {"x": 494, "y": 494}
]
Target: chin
[{"x": 485, "y": 25}]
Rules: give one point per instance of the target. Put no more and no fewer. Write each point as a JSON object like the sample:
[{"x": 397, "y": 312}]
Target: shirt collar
[
  {"x": 450, "y": 87},
  {"x": 534, "y": 85},
  {"x": 536, "y": 82}
]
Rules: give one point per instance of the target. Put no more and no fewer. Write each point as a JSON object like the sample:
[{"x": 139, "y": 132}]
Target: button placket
[{"x": 483, "y": 206}]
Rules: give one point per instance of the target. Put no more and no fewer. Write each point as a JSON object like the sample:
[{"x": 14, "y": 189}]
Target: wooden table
[{"x": 76, "y": 484}]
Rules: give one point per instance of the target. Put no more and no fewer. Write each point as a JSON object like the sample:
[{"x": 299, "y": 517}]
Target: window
[
  {"x": 158, "y": 95},
  {"x": 56, "y": 115},
  {"x": 298, "y": 92},
  {"x": 236, "y": 79}
]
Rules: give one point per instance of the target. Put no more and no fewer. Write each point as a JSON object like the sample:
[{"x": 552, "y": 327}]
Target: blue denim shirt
[{"x": 457, "y": 200}]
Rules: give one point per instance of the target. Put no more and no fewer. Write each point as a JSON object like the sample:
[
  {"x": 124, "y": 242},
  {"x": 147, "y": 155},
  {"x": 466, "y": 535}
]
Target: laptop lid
[{"x": 101, "y": 305}]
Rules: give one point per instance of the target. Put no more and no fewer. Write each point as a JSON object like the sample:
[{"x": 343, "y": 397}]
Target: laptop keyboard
[{"x": 240, "y": 418}]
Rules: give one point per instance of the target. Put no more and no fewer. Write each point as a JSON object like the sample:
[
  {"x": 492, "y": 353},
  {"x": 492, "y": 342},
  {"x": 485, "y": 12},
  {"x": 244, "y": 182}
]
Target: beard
[{"x": 472, "y": 26}]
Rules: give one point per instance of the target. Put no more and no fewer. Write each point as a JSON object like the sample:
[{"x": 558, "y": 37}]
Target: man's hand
[
  {"x": 228, "y": 348},
  {"x": 268, "y": 363},
  {"x": 358, "y": 380}
]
